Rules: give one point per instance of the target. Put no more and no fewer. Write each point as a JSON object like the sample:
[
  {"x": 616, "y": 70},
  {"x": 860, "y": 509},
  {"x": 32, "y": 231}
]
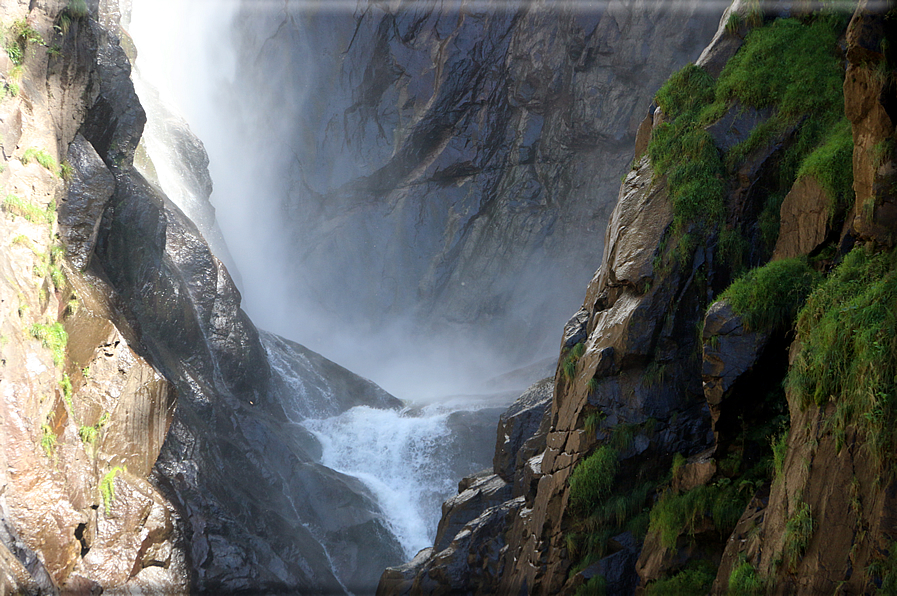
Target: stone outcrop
[
  {"x": 806, "y": 220},
  {"x": 868, "y": 89}
]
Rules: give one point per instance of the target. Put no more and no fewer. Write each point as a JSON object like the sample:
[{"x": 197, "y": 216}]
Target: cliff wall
[
  {"x": 148, "y": 442},
  {"x": 473, "y": 153},
  {"x": 719, "y": 411}
]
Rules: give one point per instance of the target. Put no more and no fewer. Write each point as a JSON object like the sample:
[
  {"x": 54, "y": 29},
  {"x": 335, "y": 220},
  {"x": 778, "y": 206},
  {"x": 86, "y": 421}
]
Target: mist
[{"x": 193, "y": 62}]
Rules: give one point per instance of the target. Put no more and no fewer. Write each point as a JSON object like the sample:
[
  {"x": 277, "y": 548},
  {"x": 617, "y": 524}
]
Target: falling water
[{"x": 411, "y": 459}]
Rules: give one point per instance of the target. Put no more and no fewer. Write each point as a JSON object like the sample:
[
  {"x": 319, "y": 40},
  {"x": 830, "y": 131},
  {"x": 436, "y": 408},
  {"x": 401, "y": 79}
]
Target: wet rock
[
  {"x": 457, "y": 511},
  {"x": 81, "y": 209},
  {"x": 730, "y": 351},
  {"x": 519, "y": 436},
  {"x": 115, "y": 120},
  {"x": 805, "y": 220},
  {"x": 315, "y": 387}
]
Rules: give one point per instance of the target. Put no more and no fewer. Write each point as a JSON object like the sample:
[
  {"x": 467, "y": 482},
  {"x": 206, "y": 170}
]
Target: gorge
[{"x": 419, "y": 192}]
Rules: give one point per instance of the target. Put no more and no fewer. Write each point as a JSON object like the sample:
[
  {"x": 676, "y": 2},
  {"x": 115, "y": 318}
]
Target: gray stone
[
  {"x": 81, "y": 209},
  {"x": 519, "y": 427},
  {"x": 469, "y": 504}
]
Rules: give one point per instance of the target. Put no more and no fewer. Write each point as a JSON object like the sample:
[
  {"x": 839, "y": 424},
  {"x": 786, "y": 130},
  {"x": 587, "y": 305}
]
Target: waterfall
[{"x": 410, "y": 459}]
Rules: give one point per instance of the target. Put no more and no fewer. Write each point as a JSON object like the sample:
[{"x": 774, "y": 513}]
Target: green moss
[
  {"x": 52, "y": 337},
  {"x": 848, "y": 337},
  {"x": 769, "y": 297},
  {"x": 592, "y": 479},
  {"x": 107, "y": 488},
  {"x": 695, "y": 579}
]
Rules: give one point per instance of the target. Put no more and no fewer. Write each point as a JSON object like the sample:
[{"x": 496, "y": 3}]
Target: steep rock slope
[
  {"x": 674, "y": 461},
  {"x": 148, "y": 442},
  {"x": 472, "y": 153}
]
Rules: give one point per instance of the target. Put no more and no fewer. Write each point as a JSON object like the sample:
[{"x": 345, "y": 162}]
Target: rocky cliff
[
  {"x": 473, "y": 153},
  {"x": 720, "y": 416},
  {"x": 150, "y": 438}
]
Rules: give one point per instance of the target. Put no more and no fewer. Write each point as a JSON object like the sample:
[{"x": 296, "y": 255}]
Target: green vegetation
[
  {"x": 775, "y": 67},
  {"x": 76, "y": 9},
  {"x": 884, "y": 569},
  {"x": 678, "y": 461},
  {"x": 769, "y": 297},
  {"x": 848, "y": 337},
  {"x": 779, "y": 450},
  {"x": 733, "y": 23},
  {"x": 745, "y": 581},
  {"x": 677, "y": 514},
  {"x": 19, "y": 36},
  {"x": 593, "y": 421},
  {"x": 90, "y": 434},
  {"x": 685, "y": 153},
  {"x": 571, "y": 359},
  {"x": 52, "y": 337},
  {"x": 66, "y": 386},
  {"x": 596, "y": 586},
  {"x": 18, "y": 206},
  {"x": 48, "y": 440},
  {"x": 592, "y": 479},
  {"x": 42, "y": 157},
  {"x": 831, "y": 164},
  {"x": 65, "y": 170},
  {"x": 107, "y": 488},
  {"x": 798, "y": 531},
  {"x": 696, "y": 578}
]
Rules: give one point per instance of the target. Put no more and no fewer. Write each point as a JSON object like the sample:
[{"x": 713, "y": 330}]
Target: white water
[
  {"x": 401, "y": 457},
  {"x": 397, "y": 458}
]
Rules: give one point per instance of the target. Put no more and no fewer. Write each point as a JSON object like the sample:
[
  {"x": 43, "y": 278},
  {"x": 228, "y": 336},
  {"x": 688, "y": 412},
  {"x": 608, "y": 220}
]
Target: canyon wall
[
  {"x": 449, "y": 169},
  {"x": 149, "y": 444},
  {"x": 719, "y": 417}
]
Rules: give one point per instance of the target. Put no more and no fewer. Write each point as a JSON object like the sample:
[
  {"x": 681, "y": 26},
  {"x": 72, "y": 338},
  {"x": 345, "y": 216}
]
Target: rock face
[
  {"x": 150, "y": 441},
  {"x": 636, "y": 384},
  {"x": 478, "y": 151}
]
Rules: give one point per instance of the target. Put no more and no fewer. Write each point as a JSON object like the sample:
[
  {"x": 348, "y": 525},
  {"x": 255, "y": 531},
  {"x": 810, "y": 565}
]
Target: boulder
[
  {"x": 457, "y": 511},
  {"x": 805, "y": 219},
  {"x": 518, "y": 437},
  {"x": 730, "y": 351}
]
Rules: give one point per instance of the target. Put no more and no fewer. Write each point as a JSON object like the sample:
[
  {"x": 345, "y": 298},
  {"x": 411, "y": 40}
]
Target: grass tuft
[
  {"x": 592, "y": 479},
  {"x": 769, "y": 297},
  {"x": 48, "y": 440},
  {"x": 52, "y": 337},
  {"x": 42, "y": 157},
  {"x": 798, "y": 532},
  {"x": 18, "y": 206},
  {"x": 107, "y": 488},
  {"x": 848, "y": 337}
]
